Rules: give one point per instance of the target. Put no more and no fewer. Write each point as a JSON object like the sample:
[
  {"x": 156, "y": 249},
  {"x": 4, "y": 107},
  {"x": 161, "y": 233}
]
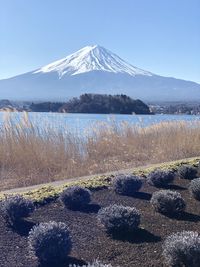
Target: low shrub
[
  {"x": 14, "y": 208},
  {"x": 117, "y": 218},
  {"x": 168, "y": 202},
  {"x": 94, "y": 264},
  {"x": 160, "y": 178},
  {"x": 182, "y": 249},
  {"x": 127, "y": 184},
  {"x": 198, "y": 168},
  {"x": 194, "y": 188},
  {"x": 187, "y": 172},
  {"x": 75, "y": 197},
  {"x": 50, "y": 242}
]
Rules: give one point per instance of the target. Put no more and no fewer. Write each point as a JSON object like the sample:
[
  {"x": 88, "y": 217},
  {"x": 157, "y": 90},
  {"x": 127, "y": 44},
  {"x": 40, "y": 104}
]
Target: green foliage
[{"x": 105, "y": 104}]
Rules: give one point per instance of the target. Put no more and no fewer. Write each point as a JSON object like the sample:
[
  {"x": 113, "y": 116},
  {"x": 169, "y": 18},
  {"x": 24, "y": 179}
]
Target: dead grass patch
[{"x": 30, "y": 156}]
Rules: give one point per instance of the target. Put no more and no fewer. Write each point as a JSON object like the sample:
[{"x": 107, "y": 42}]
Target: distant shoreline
[{"x": 161, "y": 107}]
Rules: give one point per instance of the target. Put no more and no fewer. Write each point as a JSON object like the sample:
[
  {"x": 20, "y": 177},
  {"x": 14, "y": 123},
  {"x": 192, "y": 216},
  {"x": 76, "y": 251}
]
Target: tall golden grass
[{"x": 30, "y": 156}]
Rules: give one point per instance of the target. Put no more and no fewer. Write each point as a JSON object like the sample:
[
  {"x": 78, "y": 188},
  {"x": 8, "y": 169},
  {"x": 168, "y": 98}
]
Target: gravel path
[{"x": 68, "y": 180}]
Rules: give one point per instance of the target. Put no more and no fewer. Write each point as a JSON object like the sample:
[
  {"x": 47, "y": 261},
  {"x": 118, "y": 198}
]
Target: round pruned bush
[
  {"x": 182, "y": 249},
  {"x": 198, "y": 168},
  {"x": 14, "y": 208},
  {"x": 118, "y": 218},
  {"x": 187, "y": 172},
  {"x": 75, "y": 197},
  {"x": 194, "y": 188},
  {"x": 50, "y": 243},
  {"x": 168, "y": 202},
  {"x": 127, "y": 184},
  {"x": 160, "y": 178},
  {"x": 96, "y": 263}
]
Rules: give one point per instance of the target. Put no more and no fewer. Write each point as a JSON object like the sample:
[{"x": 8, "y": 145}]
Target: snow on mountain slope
[
  {"x": 94, "y": 69},
  {"x": 91, "y": 58}
]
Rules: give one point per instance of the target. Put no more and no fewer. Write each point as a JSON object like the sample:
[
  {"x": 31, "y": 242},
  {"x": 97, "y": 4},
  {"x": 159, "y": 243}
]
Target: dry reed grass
[{"x": 30, "y": 156}]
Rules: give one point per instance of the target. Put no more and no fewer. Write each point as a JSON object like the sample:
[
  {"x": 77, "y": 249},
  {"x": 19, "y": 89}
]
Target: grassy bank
[
  {"x": 47, "y": 193},
  {"x": 30, "y": 156}
]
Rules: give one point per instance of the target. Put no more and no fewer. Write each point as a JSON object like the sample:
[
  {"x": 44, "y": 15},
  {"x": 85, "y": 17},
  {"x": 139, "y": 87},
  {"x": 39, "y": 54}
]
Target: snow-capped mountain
[
  {"x": 94, "y": 69},
  {"x": 91, "y": 58}
]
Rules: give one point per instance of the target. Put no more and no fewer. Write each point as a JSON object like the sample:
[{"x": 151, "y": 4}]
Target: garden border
[{"x": 44, "y": 193}]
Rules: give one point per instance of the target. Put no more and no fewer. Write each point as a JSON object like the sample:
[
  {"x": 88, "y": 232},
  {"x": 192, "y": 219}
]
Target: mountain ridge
[{"x": 94, "y": 69}]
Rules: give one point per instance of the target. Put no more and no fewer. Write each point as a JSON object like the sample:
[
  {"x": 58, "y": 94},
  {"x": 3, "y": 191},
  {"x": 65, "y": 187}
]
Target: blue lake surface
[{"x": 80, "y": 122}]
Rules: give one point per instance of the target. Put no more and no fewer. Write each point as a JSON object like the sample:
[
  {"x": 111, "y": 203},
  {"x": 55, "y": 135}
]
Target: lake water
[{"x": 80, "y": 122}]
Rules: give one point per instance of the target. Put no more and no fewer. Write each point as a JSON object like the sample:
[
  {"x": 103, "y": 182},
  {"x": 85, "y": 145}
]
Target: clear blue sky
[{"x": 162, "y": 36}]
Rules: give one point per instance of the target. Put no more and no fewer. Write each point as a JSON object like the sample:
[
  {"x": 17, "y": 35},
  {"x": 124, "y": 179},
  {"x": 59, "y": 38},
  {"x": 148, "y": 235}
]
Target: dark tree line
[
  {"x": 95, "y": 103},
  {"x": 105, "y": 104},
  {"x": 46, "y": 107}
]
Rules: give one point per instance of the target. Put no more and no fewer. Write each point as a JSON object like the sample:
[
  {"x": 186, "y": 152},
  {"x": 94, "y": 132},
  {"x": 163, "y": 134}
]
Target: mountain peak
[
  {"x": 92, "y": 58},
  {"x": 94, "y": 69}
]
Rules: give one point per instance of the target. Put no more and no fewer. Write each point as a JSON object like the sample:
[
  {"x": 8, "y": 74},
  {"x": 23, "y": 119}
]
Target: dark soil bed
[{"x": 90, "y": 240}]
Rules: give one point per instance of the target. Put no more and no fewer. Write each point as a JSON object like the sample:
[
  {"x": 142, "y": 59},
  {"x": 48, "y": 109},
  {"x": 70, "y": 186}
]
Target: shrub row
[
  {"x": 75, "y": 197},
  {"x": 51, "y": 242},
  {"x": 129, "y": 184}
]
